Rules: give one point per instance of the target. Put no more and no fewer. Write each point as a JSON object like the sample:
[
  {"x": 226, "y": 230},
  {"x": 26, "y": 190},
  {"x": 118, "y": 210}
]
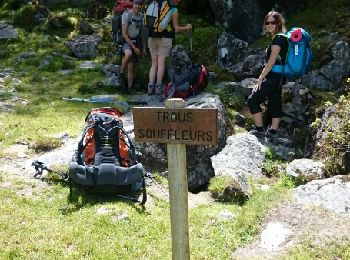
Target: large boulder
[
  {"x": 332, "y": 194},
  {"x": 84, "y": 46},
  {"x": 330, "y": 76},
  {"x": 241, "y": 18},
  {"x": 231, "y": 50}
]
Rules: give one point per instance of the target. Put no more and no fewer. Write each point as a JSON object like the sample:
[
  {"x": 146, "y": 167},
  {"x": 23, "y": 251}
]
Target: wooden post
[
  {"x": 178, "y": 191},
  {"x": 177, "y": 126}
]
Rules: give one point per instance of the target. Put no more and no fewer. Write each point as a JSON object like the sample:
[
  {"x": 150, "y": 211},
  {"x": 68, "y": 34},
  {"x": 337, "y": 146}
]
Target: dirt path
[{"x": 303, "y": 222}]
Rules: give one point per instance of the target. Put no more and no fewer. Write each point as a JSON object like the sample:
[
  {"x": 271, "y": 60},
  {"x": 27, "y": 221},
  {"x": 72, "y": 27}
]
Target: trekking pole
[
  {"x": 40, "y": 167},
  {"x": 190, "y": 36}
]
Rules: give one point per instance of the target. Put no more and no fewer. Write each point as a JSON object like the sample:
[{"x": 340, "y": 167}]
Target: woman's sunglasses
[{"x": 272, "y": 23}]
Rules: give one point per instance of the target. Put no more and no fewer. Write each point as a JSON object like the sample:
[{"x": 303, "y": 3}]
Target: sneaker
[
  {"x": 257, "y": 133},
  {"x": 271, "y": 133},
  {"x": 121, "y": 80},
  {"x": 158, "y": 89},
  {"x": 150, "y": 89}
]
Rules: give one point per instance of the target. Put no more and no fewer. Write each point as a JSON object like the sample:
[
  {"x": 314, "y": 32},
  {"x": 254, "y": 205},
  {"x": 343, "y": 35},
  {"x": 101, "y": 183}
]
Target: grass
[
  {"x": 36, "y": 228},
  {"x": 308, "y": 251}
]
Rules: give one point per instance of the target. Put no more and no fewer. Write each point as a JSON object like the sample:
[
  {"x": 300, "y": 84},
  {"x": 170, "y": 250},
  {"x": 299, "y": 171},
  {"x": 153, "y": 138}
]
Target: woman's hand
[
  {"x": 258, "y": 85},
  {"x": 188, "y": 27}
]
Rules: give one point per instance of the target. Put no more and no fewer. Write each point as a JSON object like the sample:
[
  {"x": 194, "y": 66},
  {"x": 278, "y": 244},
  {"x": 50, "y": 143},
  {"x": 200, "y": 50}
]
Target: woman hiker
[
  {"x": 160, "y": 49},
  {"x": 269, "y": 84}
]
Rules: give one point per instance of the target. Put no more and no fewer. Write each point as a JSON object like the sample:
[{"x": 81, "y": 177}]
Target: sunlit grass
[{"x": 38, "y": 228}]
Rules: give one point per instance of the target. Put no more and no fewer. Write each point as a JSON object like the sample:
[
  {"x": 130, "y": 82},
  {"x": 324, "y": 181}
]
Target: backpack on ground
[
  {"x": 119, "y": 8},
  {"x": 299, "y": 55},
  {"x": 157, "y": 17},
  {"x": 105, "y": 161},
  {"x": 190, "y": 82}
]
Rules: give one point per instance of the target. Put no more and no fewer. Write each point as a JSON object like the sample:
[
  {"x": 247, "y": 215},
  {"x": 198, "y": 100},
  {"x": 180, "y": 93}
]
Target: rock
[
  {"x": 241, "y": 18},
  {"x": 243, "y": 153},
  {"x": 332, "y": 194},
  {"x": 306, "y": 169},
  {"x": 84, "y": 46},
  {"x": 231, "y": 50},
  {"x": 7, "y": 31},
  {"x": 274, "y": 236}
]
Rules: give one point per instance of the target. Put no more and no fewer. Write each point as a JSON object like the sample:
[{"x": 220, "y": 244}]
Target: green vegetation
[
  {"x": 335, "y": 145},
  {"x": 35, "y": 227},
  {"x": 309, "y": 251}
]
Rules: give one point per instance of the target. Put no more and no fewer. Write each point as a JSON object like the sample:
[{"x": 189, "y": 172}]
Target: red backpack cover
[{"x": 188, "y": 83}]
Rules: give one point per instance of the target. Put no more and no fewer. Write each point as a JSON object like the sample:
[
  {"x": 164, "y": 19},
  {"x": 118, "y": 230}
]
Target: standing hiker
[
  {"x": 131, "y": 30},
  {"x": 269, "y": 84},
  {"x": 160, "y": 44}
]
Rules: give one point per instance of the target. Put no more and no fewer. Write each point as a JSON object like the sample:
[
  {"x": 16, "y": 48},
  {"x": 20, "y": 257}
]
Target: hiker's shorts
[
  {"x": 271, "y": 90},
  {"x": 160, "y": 46}
]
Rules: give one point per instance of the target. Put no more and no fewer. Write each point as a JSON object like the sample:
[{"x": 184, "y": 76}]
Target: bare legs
[
  {"x": 259, "y": 121},
  {"x": 157, "y": 69}
]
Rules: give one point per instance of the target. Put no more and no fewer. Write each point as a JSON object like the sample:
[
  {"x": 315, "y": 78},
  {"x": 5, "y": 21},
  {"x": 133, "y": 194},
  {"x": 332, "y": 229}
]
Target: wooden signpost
[{"x": 177, "y": 126}]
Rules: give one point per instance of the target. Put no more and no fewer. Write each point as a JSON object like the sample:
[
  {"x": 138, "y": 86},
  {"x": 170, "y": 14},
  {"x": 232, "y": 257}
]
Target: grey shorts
[{"x": 160, "y": 46}]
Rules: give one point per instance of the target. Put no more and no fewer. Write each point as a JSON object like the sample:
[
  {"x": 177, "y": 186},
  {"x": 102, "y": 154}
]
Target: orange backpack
[{"x": 104, "y": 139}]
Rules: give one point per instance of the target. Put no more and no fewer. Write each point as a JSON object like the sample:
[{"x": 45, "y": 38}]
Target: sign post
[
  {"x": 178, "y": 192},
  {"x": 176, "y": 126}
]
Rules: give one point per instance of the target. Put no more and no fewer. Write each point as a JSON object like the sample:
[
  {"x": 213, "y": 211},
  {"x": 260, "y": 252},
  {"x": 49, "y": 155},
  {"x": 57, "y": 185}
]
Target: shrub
[
  {"x": 334, "y": 146},
  {"x": 27, "y": 16}
]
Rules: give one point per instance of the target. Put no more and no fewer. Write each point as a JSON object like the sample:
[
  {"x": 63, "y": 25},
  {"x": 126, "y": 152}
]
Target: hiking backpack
[
  {"x": 105, "y": 160},
  {"x": 299, "y": 55},
  {"x": 118, "y": 10},
  {"x": 191, "y": 82},
  {"x": 157, "y": 17}
]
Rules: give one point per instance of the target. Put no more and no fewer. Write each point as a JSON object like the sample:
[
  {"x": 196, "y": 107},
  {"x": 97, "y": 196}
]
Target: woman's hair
[{"x": 280, "y": 22}]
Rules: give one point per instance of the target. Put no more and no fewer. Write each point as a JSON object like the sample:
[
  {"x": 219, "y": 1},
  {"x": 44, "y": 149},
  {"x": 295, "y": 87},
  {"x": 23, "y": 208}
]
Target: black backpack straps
[
  {"x": 131, "y": 145},
  {"x": 144, "y": 192}
]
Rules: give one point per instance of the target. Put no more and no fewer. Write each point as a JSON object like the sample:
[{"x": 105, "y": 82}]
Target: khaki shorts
[{"x": 160, "y": 46}]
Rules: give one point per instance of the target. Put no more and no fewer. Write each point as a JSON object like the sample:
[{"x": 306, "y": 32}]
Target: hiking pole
[
  {"x": 190, "y": 36},
  {"x": 105, "y": 100},
  {"x": 40, "y": 167}
]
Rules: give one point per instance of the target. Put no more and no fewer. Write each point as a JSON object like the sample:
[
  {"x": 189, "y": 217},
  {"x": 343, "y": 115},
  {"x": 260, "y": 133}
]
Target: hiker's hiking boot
[
  {"x": 150, "y": 89},
  {"x": 158, "y": 89},
  {"x": 271, "y": 134},
  {"x": 258, "y": 132}
]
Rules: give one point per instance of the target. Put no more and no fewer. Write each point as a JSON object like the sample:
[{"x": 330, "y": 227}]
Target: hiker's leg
[
  {"x": 258, "y": 119},
  {"x": 126, "y": 49},
  {"x": 154, "y": 68},
  {"x": 131, "y": 67},
  {"x": 256, "y": 99},
  {"x": 164, "y": 52},
  {"x": 275, "y": 123},
  {"x": 275, "y": 107},
  {"x": 153, "y": 47},
  {"x": 161, "y": 69}
]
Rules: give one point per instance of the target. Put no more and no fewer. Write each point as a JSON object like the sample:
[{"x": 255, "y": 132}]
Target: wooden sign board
[{"x": 175, "y": 125}]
